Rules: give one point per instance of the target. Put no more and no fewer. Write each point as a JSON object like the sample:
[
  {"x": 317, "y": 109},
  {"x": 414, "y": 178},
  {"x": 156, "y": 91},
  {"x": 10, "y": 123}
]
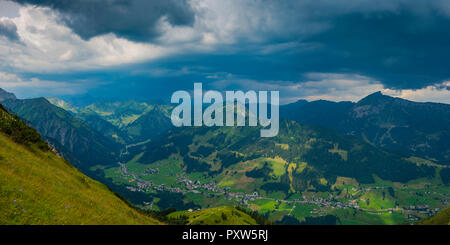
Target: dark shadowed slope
[
  {"x": 398, "y": 125},
  {"x": 150, "y": 125},
  {"x": 6, "y": 95},
  {"x": 84, "y": 146}
]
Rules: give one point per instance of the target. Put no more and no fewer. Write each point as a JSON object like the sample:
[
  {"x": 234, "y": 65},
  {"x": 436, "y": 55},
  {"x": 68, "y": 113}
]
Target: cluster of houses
[
  {"x": 421, "y": 209},
  {"x": 243, "y": 198},
  {"x": 195, "y": 186},
  {"x": 149, "y": 171}
]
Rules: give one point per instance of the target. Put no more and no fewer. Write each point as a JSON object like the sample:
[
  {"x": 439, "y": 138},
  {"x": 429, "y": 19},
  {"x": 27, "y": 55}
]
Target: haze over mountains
[
  {"x": 125, "y": 121},
  {"x": 75, "y": 139},
  {"x": 323, "y": 149},
  {"x": 92, "y": 135},
  {"x": 397, "y": 125},
  {"x": 6, "y": 95}
]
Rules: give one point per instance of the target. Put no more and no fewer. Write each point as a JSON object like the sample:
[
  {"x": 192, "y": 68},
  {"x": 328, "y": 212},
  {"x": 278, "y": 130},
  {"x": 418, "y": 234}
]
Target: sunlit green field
[
  {"x": 381, "y": 202},
  {"x": 215, "y": 216}
]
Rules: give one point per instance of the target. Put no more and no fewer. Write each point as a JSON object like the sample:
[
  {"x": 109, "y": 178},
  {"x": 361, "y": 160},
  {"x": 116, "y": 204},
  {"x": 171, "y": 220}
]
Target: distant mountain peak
[
  {"x": 301, "y": 101},
  {"x": 4, "y": 95},
  {"x": 377, "y": 94},
  {"x": 376, "y": 97}
]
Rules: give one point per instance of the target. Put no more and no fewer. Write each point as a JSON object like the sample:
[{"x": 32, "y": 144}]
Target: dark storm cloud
[
  {"x": 8, "y": 29},
  {"x": 403, "y": 44},
  {"x": 401, "y": 49},
  {"x": 132, "y": 19}
]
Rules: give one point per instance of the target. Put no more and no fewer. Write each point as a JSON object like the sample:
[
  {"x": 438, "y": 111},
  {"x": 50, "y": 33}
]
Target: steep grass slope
[
  {"x": 80, "y": 143},
  {"x": 442, "y": 218},
  {"x": 39, "y": 187}
]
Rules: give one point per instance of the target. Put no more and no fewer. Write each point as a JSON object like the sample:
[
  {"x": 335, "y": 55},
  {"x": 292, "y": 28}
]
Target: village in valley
[{"x": 321, "y": 204}]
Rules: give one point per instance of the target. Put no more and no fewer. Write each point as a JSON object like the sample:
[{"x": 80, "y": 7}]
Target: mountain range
[
  {"x": 76, "y": 140},
  {"x": 397, "y": 125},
  {"x": 380, "y": 153},
  {"x": 126, "y": 122},
  {"x": 39, "y": 187},
  {"x": 6, "y": 95},
  {"x": 301, "y": 152}
]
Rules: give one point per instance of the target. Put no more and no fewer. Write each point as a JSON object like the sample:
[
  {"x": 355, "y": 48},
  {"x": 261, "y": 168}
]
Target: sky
[{"x": 306, "y": 49}]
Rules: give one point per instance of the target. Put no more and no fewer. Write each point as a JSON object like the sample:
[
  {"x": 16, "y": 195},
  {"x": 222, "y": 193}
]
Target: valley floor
[{"x": 382, "y": 202}]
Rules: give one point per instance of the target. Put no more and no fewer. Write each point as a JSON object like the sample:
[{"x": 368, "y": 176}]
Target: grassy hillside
[
  {"x": 442, "y": 218},
  {"x": 81, "y": 144},
  {"x": 39, "y": 187},
  {"x": 214, "y": 216}
]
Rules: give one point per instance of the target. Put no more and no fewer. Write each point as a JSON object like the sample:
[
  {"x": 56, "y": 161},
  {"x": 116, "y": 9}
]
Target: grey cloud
[
  {"x": 8, "y": 29},
  {"x": 9, "y": 9},
  {"x": 401, "y": 43},
  {"x": 132, "y": 19}
]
